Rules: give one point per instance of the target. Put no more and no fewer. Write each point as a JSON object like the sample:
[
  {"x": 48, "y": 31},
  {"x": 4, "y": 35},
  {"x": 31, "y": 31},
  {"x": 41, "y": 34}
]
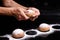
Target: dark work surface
[{"x": 4, "y": 38}]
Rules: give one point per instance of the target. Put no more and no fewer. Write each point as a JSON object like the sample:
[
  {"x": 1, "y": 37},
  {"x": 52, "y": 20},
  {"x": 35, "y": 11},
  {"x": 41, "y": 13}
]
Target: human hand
[
  {"x": 33, "y": 15},
  {"x": 19, "y": 13}
]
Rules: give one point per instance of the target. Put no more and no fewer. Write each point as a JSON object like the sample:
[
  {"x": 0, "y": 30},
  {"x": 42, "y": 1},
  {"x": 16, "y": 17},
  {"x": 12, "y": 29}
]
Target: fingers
[
  {"x": 20, "y": 18},
  {"x": 32, "y": 19},
  {"x": 21, "y": 15},
  {"x": 24, "y": 15}
]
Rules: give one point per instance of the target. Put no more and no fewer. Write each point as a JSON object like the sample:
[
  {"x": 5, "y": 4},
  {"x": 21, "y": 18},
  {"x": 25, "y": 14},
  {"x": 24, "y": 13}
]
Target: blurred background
[{"x": 50, "y": 13}]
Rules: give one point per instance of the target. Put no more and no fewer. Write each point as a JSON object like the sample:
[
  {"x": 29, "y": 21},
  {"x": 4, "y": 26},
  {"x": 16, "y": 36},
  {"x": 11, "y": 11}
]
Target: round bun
[
  {"x": 18, "y": 33},
  {"x": 44, "y": 27}
]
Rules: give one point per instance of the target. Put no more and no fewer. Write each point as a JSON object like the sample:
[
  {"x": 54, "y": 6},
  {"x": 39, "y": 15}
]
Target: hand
[
  {"x": 19, "y": 13},
  {"x": 36, "y": 14}
]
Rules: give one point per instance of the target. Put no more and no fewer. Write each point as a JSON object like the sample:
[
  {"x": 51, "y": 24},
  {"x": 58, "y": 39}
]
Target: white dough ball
[
  {"x": 44, "y": 27},
  {"x": 18, "y": 33},
  {"x": 30, "y": 13}
]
